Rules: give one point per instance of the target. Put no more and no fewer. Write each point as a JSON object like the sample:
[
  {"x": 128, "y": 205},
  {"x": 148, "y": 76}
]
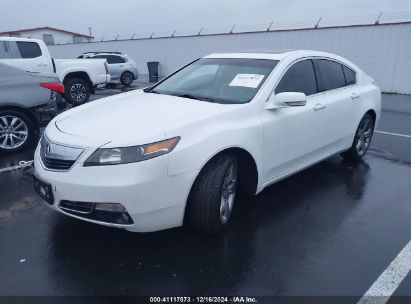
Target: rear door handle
[
  {"x": 355, "y": 96},
  {"x": 319, "y": 107}
]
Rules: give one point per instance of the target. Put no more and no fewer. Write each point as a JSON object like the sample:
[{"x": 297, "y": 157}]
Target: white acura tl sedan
[{"x": 181, "y": 150}]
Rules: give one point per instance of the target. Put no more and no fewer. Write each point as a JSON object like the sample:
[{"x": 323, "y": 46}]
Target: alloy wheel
[
  {"x": 364, "y": 135},
  {"x": 228, "y": 193},
  {"x": 13, "y": 132},
  {"x": 127, "y": 78},
  {"x": 78, "y": 92}
]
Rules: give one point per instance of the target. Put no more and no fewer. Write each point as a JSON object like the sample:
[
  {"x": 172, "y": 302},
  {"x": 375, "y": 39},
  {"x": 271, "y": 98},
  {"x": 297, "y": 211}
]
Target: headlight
[{"x": 116, "y": 156}]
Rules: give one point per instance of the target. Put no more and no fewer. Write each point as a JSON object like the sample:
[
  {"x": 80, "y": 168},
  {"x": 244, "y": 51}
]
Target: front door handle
[
  {"x": 319, "y": 107},
  {"x": 354, "y": 96}
]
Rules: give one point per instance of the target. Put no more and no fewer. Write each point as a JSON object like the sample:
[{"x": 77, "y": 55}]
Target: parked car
[
  {"x": 28, "y": 101},
  {"x": 123, "y": 70},
  {"x": 179, "y": 151},
  {"x": 79, "y": 76}
]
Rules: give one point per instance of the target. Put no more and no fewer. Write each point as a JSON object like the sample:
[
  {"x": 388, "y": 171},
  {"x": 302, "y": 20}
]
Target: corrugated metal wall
[{"x": 383, "y": 51}]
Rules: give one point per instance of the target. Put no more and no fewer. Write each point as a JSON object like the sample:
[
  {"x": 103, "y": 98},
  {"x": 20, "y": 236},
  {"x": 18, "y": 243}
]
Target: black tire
[
  {"x": 205, "y": 200},
  {"x": 29, "y": 125},
  {"x": 77, "y": 91},
  {"x": 127, "y": 78},
  {"x": 362, "y": 139}
]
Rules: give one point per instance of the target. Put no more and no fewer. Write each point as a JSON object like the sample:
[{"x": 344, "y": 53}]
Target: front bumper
[{"x": 153, "y": 199}]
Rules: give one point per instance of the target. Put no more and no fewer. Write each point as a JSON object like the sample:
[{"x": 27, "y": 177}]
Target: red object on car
[{"x": 54, "y": 86}]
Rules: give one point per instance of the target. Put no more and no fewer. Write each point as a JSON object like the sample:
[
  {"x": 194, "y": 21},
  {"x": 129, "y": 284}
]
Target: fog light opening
[
  {"x": 113, "y": 213},
  {"x": 110, "y": 207}
]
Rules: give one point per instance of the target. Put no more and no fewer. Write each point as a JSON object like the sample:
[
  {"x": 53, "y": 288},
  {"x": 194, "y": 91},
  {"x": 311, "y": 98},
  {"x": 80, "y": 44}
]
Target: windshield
[{"x": 230, "y": 81}]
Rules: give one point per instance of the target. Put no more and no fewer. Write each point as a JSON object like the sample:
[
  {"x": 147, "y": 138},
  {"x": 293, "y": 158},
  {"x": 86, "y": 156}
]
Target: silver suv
[{"x": 121, "y": 67}]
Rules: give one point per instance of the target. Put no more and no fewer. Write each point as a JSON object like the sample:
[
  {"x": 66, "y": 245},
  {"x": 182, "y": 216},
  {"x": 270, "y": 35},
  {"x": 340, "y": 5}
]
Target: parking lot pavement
[
  {"x": 394, "y": 136},
  {"x": 332, "y": 229}
]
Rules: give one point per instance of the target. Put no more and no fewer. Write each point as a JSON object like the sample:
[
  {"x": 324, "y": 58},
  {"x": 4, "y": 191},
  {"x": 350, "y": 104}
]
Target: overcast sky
[{"x": 108, "y": 17}]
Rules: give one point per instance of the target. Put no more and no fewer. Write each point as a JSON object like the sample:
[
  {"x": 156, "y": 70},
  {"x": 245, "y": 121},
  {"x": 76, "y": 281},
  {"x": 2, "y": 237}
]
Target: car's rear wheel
[
  {"x": 16, "y": 131},
  {"x": 127, "y": 78},
  {"x": 212, "y": 197},
  {"x": 77, "y": 91},
  {"x": 362, "y": 139}
]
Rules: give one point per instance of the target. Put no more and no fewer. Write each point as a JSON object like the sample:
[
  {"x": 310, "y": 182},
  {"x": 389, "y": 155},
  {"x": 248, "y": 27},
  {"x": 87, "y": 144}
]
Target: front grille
[
  {"x": 58, "y": 157},
  {"x": 57, "y": 164}
]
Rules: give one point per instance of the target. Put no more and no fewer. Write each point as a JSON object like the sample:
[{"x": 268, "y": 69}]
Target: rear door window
[
  {"x": 99, "y": 57},
  {"x": 4, "y": 51},
  {"x": 28, "y": 49},
  {"x": 115, "y": 59},
  {"x": 350, "y": 77},
  {"x": 300, "y": 77},
  {"x": 9, "y": 50},
  {"x": 331, "y": 75},
  {"x": 111, "y": 59}
]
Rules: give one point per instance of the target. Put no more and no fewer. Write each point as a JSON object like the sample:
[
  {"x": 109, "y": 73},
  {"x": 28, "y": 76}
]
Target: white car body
[
  {"x": 94, "y": 69},
  {"x": 280, "y": 141}
]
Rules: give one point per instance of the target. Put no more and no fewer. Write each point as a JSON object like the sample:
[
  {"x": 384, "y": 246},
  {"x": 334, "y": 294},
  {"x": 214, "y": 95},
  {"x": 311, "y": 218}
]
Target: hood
[{"x": 134, "y": 118}]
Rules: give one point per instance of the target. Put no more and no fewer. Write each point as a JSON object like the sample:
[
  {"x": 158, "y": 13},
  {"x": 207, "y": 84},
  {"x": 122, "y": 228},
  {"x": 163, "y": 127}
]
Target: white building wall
[{"x": 382, "y": 51}]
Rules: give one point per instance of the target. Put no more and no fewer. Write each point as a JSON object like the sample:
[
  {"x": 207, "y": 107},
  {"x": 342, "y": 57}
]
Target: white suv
[
  {"x": 121, "y": 67},
  {"x": 178, "y": 151}
]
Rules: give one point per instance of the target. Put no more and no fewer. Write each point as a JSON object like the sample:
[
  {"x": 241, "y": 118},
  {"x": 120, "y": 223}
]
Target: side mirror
[{"x": 286, "y": 99}]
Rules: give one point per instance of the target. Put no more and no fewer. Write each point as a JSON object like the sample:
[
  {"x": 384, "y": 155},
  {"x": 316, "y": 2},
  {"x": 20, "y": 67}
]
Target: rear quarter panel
[
  {"x": 370, "y": 99},
  {"x": 22, "y": 89},
  {"x": 370, "y": 95},
  {"x": 93, "y": 67}
]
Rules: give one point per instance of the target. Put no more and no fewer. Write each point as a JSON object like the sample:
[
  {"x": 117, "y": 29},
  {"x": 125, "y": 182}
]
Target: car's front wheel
[
  {"x": 212, "y": 197},
  {"x": 16, "y": 131},
  {"x": 362, "y": 139}
]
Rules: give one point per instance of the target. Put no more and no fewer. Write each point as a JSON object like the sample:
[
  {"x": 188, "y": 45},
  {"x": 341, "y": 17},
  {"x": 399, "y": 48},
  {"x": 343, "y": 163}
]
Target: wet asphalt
[{"x": 327, "y": 231}]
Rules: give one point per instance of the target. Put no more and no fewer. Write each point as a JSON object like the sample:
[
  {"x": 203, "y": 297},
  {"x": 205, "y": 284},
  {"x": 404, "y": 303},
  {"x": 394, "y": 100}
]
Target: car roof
[
  {"x": 104, "y": 53},
  {"x": 268, "y": 54}
]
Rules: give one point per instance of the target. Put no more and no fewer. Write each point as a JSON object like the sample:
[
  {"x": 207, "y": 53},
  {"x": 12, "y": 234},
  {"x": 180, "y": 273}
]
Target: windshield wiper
[
  {"x": 183, "y": 95},
  {"x": 151, "y": 90},
  {"x": 191, "y": 96}
]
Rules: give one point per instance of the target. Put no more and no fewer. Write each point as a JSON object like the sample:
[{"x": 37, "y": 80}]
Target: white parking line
[
  {"x": 393, "y": 134},
  {"x": 21, "y": 164},
  {"x": 390, "y": 279}
]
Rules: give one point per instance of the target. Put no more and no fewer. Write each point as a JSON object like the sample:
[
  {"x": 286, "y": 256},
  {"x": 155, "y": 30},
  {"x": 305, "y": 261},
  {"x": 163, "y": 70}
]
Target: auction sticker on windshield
[{"x": 246, "y": 80}]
